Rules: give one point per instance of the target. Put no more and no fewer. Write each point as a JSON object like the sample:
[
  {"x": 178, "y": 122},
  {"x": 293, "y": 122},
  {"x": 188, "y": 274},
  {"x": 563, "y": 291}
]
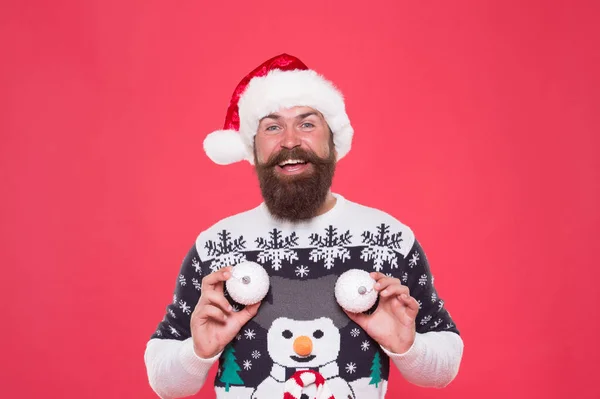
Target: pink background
[{"x": 476, "y": 124}]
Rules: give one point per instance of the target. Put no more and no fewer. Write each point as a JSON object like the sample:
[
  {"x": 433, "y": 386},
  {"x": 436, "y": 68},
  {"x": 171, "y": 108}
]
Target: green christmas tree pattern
[
  {"x": 376, "y": 370},
  {"x": 230, "y": 376}
]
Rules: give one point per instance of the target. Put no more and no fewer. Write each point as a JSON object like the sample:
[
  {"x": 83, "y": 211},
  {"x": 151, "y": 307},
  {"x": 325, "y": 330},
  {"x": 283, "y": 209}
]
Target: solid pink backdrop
[{"x": 476, "y": 124}]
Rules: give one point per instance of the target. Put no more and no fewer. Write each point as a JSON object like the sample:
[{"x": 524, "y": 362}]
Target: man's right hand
[{"x": 214, "y": 323}]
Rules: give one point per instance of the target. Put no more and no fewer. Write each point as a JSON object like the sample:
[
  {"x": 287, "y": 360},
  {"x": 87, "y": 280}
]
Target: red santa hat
[{"x": 281, "y": 82}]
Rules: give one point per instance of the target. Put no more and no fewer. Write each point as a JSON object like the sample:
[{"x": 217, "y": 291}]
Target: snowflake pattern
[
  {"x": 185, "y": 308},
  {"x": 449, "y": 326},
  {"x": 226, "y": 252},
  {"x": 197, "y": 284},
  {"x": 433, "y": 297},
  {"x": 238, "y": 337},
  {"x": 174, "y": 332},
  {"x": 405, "y": 277},
  {"x": 302, "y": 271},
  {"x": 247, "y": 365},
  {"x": 171, "y": 313},
  {"x": 420, "y": 303},
  {"x": 436, "y": 323},
  {"x": 365, "y": 345},
  {"x": 182, "y": 280},
  {"x": 196, "y": 265},
  {"x": 425, "y": 320},
  {"x": 158, "y": 333},
  {"x": 380, "y": 247},
  {"x": 255, "y": 354},
  {"x": 235, "y": 308},
  {"x": 350, "y": 367},
  {"x": 412, "y": 262},
  {"x": 330, "y": 246},
  {"x": 423, "y": 279},
  {"x": 249, "y": 334},
  {"x": 440, "y": 304},
  {"x": 355, "y": 332},
  {"x": 174, "y": 299},
  {"x": 277, "y": 248}
]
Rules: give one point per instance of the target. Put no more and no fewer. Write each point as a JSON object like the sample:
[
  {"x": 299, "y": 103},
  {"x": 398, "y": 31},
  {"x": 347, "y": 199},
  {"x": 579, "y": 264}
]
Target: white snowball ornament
[
  {"x": 355, "y": 292},
  {"x": 248, "y": 284}
]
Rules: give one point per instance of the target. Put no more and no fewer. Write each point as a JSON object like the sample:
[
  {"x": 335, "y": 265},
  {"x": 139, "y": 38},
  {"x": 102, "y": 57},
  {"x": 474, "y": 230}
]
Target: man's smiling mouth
[{"x": 293, "y": 165}]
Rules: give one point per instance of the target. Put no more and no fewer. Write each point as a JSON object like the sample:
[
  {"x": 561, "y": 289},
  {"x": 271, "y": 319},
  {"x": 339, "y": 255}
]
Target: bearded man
[{"x": 291, "y": 124}]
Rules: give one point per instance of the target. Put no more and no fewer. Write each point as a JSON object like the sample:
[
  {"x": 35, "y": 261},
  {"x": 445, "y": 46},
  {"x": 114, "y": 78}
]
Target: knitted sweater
[{"x": 303, "y": 261}]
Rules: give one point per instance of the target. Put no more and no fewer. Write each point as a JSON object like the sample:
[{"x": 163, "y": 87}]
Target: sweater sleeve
[
  {"x": 174, "y": 370},
  {"x": 435, "y": 356},
  {"x": 432, "y": 361}
]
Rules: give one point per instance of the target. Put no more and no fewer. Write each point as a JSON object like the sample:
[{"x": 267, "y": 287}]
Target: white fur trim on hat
[
  {"x": 286, "y": 89},
  {"x": 224, "y": 147}
]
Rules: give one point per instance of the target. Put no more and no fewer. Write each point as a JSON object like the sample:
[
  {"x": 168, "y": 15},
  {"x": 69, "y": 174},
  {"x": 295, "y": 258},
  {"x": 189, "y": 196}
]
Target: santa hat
[
  {"x": 281, "y": 82},
  {"x": 293, "y": 387}
]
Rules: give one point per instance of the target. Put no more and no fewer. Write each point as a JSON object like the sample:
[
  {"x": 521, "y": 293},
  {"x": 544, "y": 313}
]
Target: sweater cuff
[
  {"x": 412, "y": 357},
  {"x": 193, "y": 363}
]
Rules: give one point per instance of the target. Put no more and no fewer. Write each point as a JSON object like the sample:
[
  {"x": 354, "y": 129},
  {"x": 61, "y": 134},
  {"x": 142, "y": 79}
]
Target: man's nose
[{"x": 290, "y": 138}]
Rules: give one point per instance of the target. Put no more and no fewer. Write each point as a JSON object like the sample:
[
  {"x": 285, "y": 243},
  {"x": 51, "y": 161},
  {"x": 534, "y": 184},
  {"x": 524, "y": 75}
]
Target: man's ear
[{"x": 332, "y": 143}]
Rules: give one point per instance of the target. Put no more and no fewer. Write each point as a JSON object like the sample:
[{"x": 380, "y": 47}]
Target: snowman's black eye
[
  {"x": 318, "y": 334},
  {"x": 287, "y": 334}
]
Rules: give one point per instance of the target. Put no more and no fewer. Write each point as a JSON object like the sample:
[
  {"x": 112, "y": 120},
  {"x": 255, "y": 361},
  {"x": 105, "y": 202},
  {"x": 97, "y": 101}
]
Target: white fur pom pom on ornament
[
  {"x": 355, "y": 292},
  {"x": 248, "y": 284}
]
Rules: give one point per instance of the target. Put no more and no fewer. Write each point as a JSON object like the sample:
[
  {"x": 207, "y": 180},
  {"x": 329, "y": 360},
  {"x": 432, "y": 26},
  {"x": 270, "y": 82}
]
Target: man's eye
[
  {"x": 307, "y": 125},
  {"x": 272, "y": 128}
]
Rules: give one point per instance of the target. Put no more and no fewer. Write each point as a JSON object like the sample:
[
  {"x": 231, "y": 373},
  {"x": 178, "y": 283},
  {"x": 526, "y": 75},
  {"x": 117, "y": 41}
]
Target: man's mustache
[{"x": 294, "y": 153}]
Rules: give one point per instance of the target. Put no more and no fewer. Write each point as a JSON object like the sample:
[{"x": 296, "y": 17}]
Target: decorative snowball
[
  {"x": 354, "y": 291},
  {"x": 248, "y": 284}
]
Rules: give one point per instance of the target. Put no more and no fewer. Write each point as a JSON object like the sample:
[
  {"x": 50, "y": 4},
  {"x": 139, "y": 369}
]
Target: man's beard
[{"x": 297, "y": 197}]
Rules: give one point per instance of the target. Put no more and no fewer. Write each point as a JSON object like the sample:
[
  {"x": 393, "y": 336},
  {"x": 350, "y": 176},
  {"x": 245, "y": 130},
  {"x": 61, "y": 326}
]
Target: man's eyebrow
[
  {"x": 270, "y": 116},
  {"x": 277, "y": 117},
  {"x": 307, "y": 114}
]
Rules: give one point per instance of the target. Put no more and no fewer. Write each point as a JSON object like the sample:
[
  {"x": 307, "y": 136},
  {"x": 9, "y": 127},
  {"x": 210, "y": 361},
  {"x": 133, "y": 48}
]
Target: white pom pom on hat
[
  {"x": 225, "y": 146},
  {"x": 280, "y": 82}
]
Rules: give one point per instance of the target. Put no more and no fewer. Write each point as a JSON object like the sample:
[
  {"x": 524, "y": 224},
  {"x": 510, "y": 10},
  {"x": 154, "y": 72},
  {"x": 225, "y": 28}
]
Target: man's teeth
[{"x": 291, "y": 162}]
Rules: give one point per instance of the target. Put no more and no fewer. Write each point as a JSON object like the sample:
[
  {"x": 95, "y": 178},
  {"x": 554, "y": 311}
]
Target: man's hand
[
  {"x": 214, "y": 323},
  {"x": 392, "y": 324}
]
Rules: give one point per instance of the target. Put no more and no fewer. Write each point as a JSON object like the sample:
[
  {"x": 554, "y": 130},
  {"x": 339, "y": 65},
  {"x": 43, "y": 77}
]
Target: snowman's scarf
[{"x": 300, "y": 379}]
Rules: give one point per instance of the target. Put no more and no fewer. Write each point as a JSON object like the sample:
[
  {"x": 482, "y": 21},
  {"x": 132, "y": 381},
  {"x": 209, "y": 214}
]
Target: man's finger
[
  {"x": 396, "y": 289},
  {"x": 411, "y": 304},
  {"x": 214, "y": 281},
  {"x": 386, "y": 282},
  {"x": 359, "y": 318},
  {"x": 214, "y": 313},
  {"x": 377, "y": 276},
  {"x": 217, "y": 299},
  {"x": 244, "y": 315}
]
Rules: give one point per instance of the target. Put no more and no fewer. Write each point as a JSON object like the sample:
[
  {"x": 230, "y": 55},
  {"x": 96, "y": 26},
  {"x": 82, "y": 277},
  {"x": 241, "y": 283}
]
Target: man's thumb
[{"x": 248, "y": 312}]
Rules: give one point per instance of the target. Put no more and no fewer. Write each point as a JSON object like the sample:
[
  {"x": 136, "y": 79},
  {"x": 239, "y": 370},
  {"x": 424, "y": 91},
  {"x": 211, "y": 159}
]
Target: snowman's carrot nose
[{"x": 303, "y": 345}]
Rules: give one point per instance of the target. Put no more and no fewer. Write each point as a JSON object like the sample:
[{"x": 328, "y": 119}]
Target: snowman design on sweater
[
  {"x": 299, "y": 325},
  {"x": 306, "y": 338}
]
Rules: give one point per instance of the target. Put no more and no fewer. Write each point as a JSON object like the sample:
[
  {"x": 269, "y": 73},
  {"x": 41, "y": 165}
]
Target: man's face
[{"x": 295, "y": 162}]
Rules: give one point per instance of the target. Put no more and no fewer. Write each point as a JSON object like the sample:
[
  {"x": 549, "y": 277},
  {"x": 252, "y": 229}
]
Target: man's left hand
[{"x": 392, "y": 324}]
